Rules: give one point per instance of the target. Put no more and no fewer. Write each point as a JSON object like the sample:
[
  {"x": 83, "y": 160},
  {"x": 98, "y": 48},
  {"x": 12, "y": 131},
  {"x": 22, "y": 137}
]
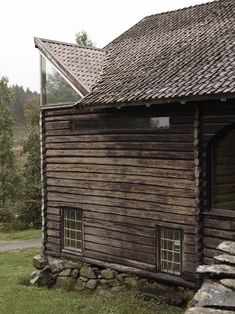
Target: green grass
[
  {"x": 20, "y": 235},
  {"x": 16, "y": 298}
]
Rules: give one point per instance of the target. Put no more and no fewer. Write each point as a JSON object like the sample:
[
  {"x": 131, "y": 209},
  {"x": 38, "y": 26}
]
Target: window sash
[
  {"x": 72, "y": 229},
  {"x": 170, "y": 250}
]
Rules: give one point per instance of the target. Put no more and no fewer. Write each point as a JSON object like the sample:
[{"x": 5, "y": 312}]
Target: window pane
[
  {"x": 170, "y": 250},
  {"x": 55, "y": 89},
  {"x": 122, "y": 123},
  {"x": 72, "y": 229}
]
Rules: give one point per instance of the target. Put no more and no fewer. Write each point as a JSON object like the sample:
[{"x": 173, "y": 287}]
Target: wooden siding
[
  {"x": 126, "y": 184},
  {"x": 218, "y": 223}
]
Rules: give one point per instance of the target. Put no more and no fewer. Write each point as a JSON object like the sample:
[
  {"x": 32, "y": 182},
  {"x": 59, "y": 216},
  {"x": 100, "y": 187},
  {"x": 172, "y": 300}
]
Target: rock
[
  {"x": 131, "y": 282},
  {"x": 83, "y": 279},
  {"x": 44, "y": 276},
  {"x": 34, "y": 281},
  {"x": 108, "y": 273},
  {"x": 39, "y": 262},
  {"x": 168, "y": 294},
  {"x": 86, "y": 271},
  {"x": 56, "y": 264},
  {"x": 73, "y": 265},
  {"x": 91, "y": 284},
  {"x": 201, "y": 310},
  {"x": 117, "y": 289},
  {"x": 227, "y": 247},
  {"x": 35, "y": 273},
  {"x": 230, "y": 283},
  {"x": 75, "y": 273},
  {"x": 225, "y": 259},
  {"x": 104, "y": 293},
  {"x": 121, "y": 277},
  {"x": 113, "y": 282},
  {"x": 217, "y": 271},
  {"x": 103, "y": 281},
  {"x": 65, "y": 273},
  {"x": 80, "y": 285},
  {"x": 65, "y": 283},
  {"x": 213, "y": 294}
]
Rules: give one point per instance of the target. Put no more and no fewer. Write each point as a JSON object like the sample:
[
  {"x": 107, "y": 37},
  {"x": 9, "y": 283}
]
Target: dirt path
[{"x": 15, "y": 245}]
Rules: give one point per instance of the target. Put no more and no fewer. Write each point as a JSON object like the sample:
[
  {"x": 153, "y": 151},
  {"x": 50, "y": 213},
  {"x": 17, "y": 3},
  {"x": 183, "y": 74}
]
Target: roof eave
[{"x": 158, "y": 101}]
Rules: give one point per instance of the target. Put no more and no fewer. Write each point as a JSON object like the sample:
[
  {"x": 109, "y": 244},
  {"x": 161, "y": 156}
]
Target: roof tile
[{"x": 188, "y": 52}]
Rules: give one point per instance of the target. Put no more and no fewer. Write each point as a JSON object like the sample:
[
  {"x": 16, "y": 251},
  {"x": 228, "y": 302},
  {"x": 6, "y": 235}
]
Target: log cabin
[{"x": 138, "y": 144}]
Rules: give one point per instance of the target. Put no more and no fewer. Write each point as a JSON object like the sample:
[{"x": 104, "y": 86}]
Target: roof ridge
[
  {"x": 68, "y": 44},
  {"x": 185, "y": 8}
]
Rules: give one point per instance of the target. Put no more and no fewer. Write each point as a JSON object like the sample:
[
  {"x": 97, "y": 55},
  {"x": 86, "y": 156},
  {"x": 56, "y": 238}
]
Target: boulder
[
  {"x": 65, "y": 283},
  {"x": 217, "y": 271},
  {"x": 66, "y": 272},
  {"x": 121, "y": 277},
  {"x": 80, "y": 285},
  {"x": 91, "y": 284},
  {"x": 227, "y": 247},
  {"x": 213, "y": 294},
  {"x": 35, "y": 273},
  {"x": 44, "y": 276},
  {"x": 39, "y": 262},
  {"x": 73, "y": 265},
  {"x": 108, "y": 273},
  {"x": 86, "y": 271},
  {"x": 131, "y": 282},
  {"x": 75, "y": 273},
  {"x": 34, "y": 281},
  {"x": 83, "y": 278},
  {"x": 56, "y": 265},
  {"x": 230, "y": 283}
]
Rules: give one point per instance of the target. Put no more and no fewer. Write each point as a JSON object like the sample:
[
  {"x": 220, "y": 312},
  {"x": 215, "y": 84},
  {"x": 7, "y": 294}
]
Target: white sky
[{"x": 21, "y": 20}]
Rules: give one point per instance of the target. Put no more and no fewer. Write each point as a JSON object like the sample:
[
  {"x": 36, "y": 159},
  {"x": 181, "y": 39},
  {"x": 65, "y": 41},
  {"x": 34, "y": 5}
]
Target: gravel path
[{"x": 15, "y": 245}]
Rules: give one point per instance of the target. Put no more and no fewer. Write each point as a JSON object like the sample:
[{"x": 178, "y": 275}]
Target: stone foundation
[{"x": 78, "y": 276}]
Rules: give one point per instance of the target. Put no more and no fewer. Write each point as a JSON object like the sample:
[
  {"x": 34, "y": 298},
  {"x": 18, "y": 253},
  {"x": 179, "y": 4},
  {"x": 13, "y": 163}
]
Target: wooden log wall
[
  {"x": 126, "y": 183},
  {"x": 218, "y": 223}
]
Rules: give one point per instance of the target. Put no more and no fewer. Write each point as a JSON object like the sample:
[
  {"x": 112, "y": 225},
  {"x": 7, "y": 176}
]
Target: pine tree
[
  {"x": 83, "y": 39},
  {"x": 8, "y": 173},
  {"x": 30, "y": 214}
]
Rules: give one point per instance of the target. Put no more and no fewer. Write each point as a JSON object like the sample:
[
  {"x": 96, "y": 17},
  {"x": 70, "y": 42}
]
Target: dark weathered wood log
[
  {"x": 135, "y": 179},
  {"x": 120, "y": 244},
  {"x": 116, "y": 186},
  {"x": 152, "y": 163},
  {"x": 121, "y": 252},
  {"x": 130, "y": 216},
  {"x": 118, "y": 202},
  {"x": 121, "y": 153},
  {"x": 187, "y": 138},
  {"x": 124, "y": 170},
  {"x": 146, "y": 146},
  {"x": 158, "y": 199}
]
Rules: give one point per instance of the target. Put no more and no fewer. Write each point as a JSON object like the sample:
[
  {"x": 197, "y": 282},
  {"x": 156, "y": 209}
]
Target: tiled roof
[
  {"x": 188, "y": 52},
  {"x": 82, "y": 65}
]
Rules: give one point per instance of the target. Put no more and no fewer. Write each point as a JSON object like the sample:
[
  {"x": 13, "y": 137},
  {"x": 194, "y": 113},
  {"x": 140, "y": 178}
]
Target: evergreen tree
[
  {"x": 8, "y": 176},
  {"x": 83, "y": 39},
  {"x": 30, "y": 213}
]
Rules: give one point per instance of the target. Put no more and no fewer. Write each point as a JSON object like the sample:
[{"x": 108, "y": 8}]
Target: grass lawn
[
  {"x": 15, "y": 268},
  {"x": 20, "y": 235}
]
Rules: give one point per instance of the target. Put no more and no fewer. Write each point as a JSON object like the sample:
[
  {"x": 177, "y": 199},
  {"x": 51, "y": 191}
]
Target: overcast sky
[{"x": 21, "y": 20}]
